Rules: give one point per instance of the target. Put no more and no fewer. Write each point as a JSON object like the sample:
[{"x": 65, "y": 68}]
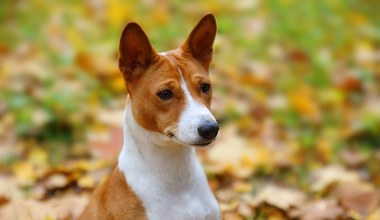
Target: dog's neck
[{"x": 150, "y": 153}]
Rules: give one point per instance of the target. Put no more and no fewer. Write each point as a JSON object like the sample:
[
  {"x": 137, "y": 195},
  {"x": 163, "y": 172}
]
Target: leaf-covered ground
[{"x": 297, "y": 93}]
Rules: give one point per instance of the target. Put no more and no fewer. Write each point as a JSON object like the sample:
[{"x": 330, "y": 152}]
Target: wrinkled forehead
[
  {"x": 186, "y": 67},
  {"x": 161, "y": 70},
  {"x": 171, "y": 68}
]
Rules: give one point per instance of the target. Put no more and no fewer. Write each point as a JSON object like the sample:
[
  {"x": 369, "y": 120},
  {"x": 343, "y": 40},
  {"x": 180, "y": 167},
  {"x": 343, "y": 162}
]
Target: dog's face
[{"x": 171, "y": 92}]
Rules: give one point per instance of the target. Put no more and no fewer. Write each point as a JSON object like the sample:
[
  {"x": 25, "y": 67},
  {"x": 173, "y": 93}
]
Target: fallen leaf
[
  {"x": 8, "y": 190},
  {"x": 38, "y": 192},
  {"x": 229, "y": 206},
  {"x": 318, "y": 210},
  {"x": 57, "y": 180},
  {"x": 280, "y": 197},
  {"x": 24, "y": 172},
  {"x": 242, "y": 187},
  {"x": 375, "y": 215},
  {"x": 349, "y": 83},
  {"x": 232, "y": 216},
  {"x": 231, "y": 153},
  {"x": 269, "y": 212},
  {"x": 359, "y": 197},
  {"x": 67, "y": 207},
  {"x": 86, "y": 165},
  {"x": 245, "y": 210},
  {"x": 322, "y": 178},
  {"x": 303, "y": 102},
  {"x": 38, "y": 156},
  {"x": 226, "y": 195},
  {"x": 87, "y": 181},
  {"x": 26, "y": 210},
  {"x": 353, "y": 158}
]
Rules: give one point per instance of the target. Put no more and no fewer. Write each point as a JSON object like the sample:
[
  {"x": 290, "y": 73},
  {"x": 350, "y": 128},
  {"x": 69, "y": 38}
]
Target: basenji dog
[{"x": 158, "y": 176}]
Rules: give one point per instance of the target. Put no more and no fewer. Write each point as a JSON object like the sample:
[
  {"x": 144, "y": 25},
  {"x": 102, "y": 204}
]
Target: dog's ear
[
  {"x": 199, "y": 42},
  {"x": 136, "y": 52}
]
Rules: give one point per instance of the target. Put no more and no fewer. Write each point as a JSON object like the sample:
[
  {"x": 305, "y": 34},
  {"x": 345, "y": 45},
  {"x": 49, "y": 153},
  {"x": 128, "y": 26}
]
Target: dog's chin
[
  {"x": 197, "y": 144},
  {"x": 201, "y": 144}
]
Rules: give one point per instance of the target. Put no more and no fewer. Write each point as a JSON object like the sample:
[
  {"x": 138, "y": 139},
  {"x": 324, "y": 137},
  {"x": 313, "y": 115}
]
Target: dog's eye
[
  {"x": 165, "y": 94},
  {"x": 205, "y": 88}
]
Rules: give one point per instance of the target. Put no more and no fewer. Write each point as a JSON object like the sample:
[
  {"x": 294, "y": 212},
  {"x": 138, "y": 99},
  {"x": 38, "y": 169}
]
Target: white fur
[
  {"x": 194, "y": 115},
  {"x": 165, "y": 175}
]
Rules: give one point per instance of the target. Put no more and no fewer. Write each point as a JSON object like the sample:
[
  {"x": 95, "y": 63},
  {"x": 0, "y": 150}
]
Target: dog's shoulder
[{"x": 114, "y": 199}]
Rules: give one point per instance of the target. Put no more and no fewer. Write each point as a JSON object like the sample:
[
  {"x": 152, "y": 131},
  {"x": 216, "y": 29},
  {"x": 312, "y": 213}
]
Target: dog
[{"x": 167, "y": 117}]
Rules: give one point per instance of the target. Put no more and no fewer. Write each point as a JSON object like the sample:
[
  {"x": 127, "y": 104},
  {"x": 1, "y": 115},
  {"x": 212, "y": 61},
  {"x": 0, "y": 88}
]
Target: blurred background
[{"x": 297, "y": 92}]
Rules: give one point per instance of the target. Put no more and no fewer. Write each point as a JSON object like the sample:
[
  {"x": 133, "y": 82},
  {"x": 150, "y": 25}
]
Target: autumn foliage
[{"x": 296, "y": 86}]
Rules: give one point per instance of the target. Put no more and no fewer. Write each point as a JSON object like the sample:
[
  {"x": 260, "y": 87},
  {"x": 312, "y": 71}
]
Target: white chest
[
  {"x": 187, "y": 207},
  {"x": 195, "y": 203},
  {"x": 167, "y": 193}
]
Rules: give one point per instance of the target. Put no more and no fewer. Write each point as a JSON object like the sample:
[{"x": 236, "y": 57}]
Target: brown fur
[{"x": 114, "y": 200}]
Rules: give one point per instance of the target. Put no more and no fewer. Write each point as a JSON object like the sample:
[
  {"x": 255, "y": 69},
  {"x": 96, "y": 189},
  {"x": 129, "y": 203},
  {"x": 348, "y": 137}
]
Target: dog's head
[{"x": 171, "y": 92}]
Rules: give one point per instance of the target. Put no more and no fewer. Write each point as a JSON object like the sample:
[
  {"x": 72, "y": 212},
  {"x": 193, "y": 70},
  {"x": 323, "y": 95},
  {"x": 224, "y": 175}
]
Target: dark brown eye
[
  {"x": 205, "y": 88},
  {"x": 165, "y": 94}
]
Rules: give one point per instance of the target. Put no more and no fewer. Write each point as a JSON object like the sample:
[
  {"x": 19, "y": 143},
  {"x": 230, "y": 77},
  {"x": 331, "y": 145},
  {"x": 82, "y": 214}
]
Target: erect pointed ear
[
  {"x": 199, "y": 42},
  {"x": 136, "y": 52}
]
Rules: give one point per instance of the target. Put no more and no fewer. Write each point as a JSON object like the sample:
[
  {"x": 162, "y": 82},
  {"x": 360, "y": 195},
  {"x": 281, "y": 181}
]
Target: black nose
[{"x": 208, "y": 131}]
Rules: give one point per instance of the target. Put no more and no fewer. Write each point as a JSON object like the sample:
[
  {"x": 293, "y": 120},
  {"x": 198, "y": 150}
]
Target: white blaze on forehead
[{"x": 193, "y": 116}]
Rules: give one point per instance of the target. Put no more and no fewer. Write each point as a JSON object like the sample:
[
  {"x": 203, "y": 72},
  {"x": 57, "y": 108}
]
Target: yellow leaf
[
  {"x": 375, "y": 215},
  {"x": 88, "y": 165},
  {"x": 160, "y": 15},
  {"x": 358, "y": 19},
  {"x": 38, "y": 156},
  {"x": 118, "y": 12},
  {"x": 24, "y": 172},
  {"x": 242, "y": 187},
  {"x": 75, "y": 38},
  {"x": 248, "y": 160},
  {"x": 49, "y": 218},
  {"x": 324, "y": 149},
  {"x": 86, "y": 181},
  {"x": 264, "y": 157},
  {"x": 304, "y": 104},
  {"x": 287, "y": 2},
  {"x": 365, "y": 52},
  {"x": 118, "y": 84}
]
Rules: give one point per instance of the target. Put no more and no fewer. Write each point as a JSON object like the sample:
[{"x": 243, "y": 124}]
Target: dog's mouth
[
  {"x": 170, "y": 135},
  {"x": 202, "y": 143}
]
